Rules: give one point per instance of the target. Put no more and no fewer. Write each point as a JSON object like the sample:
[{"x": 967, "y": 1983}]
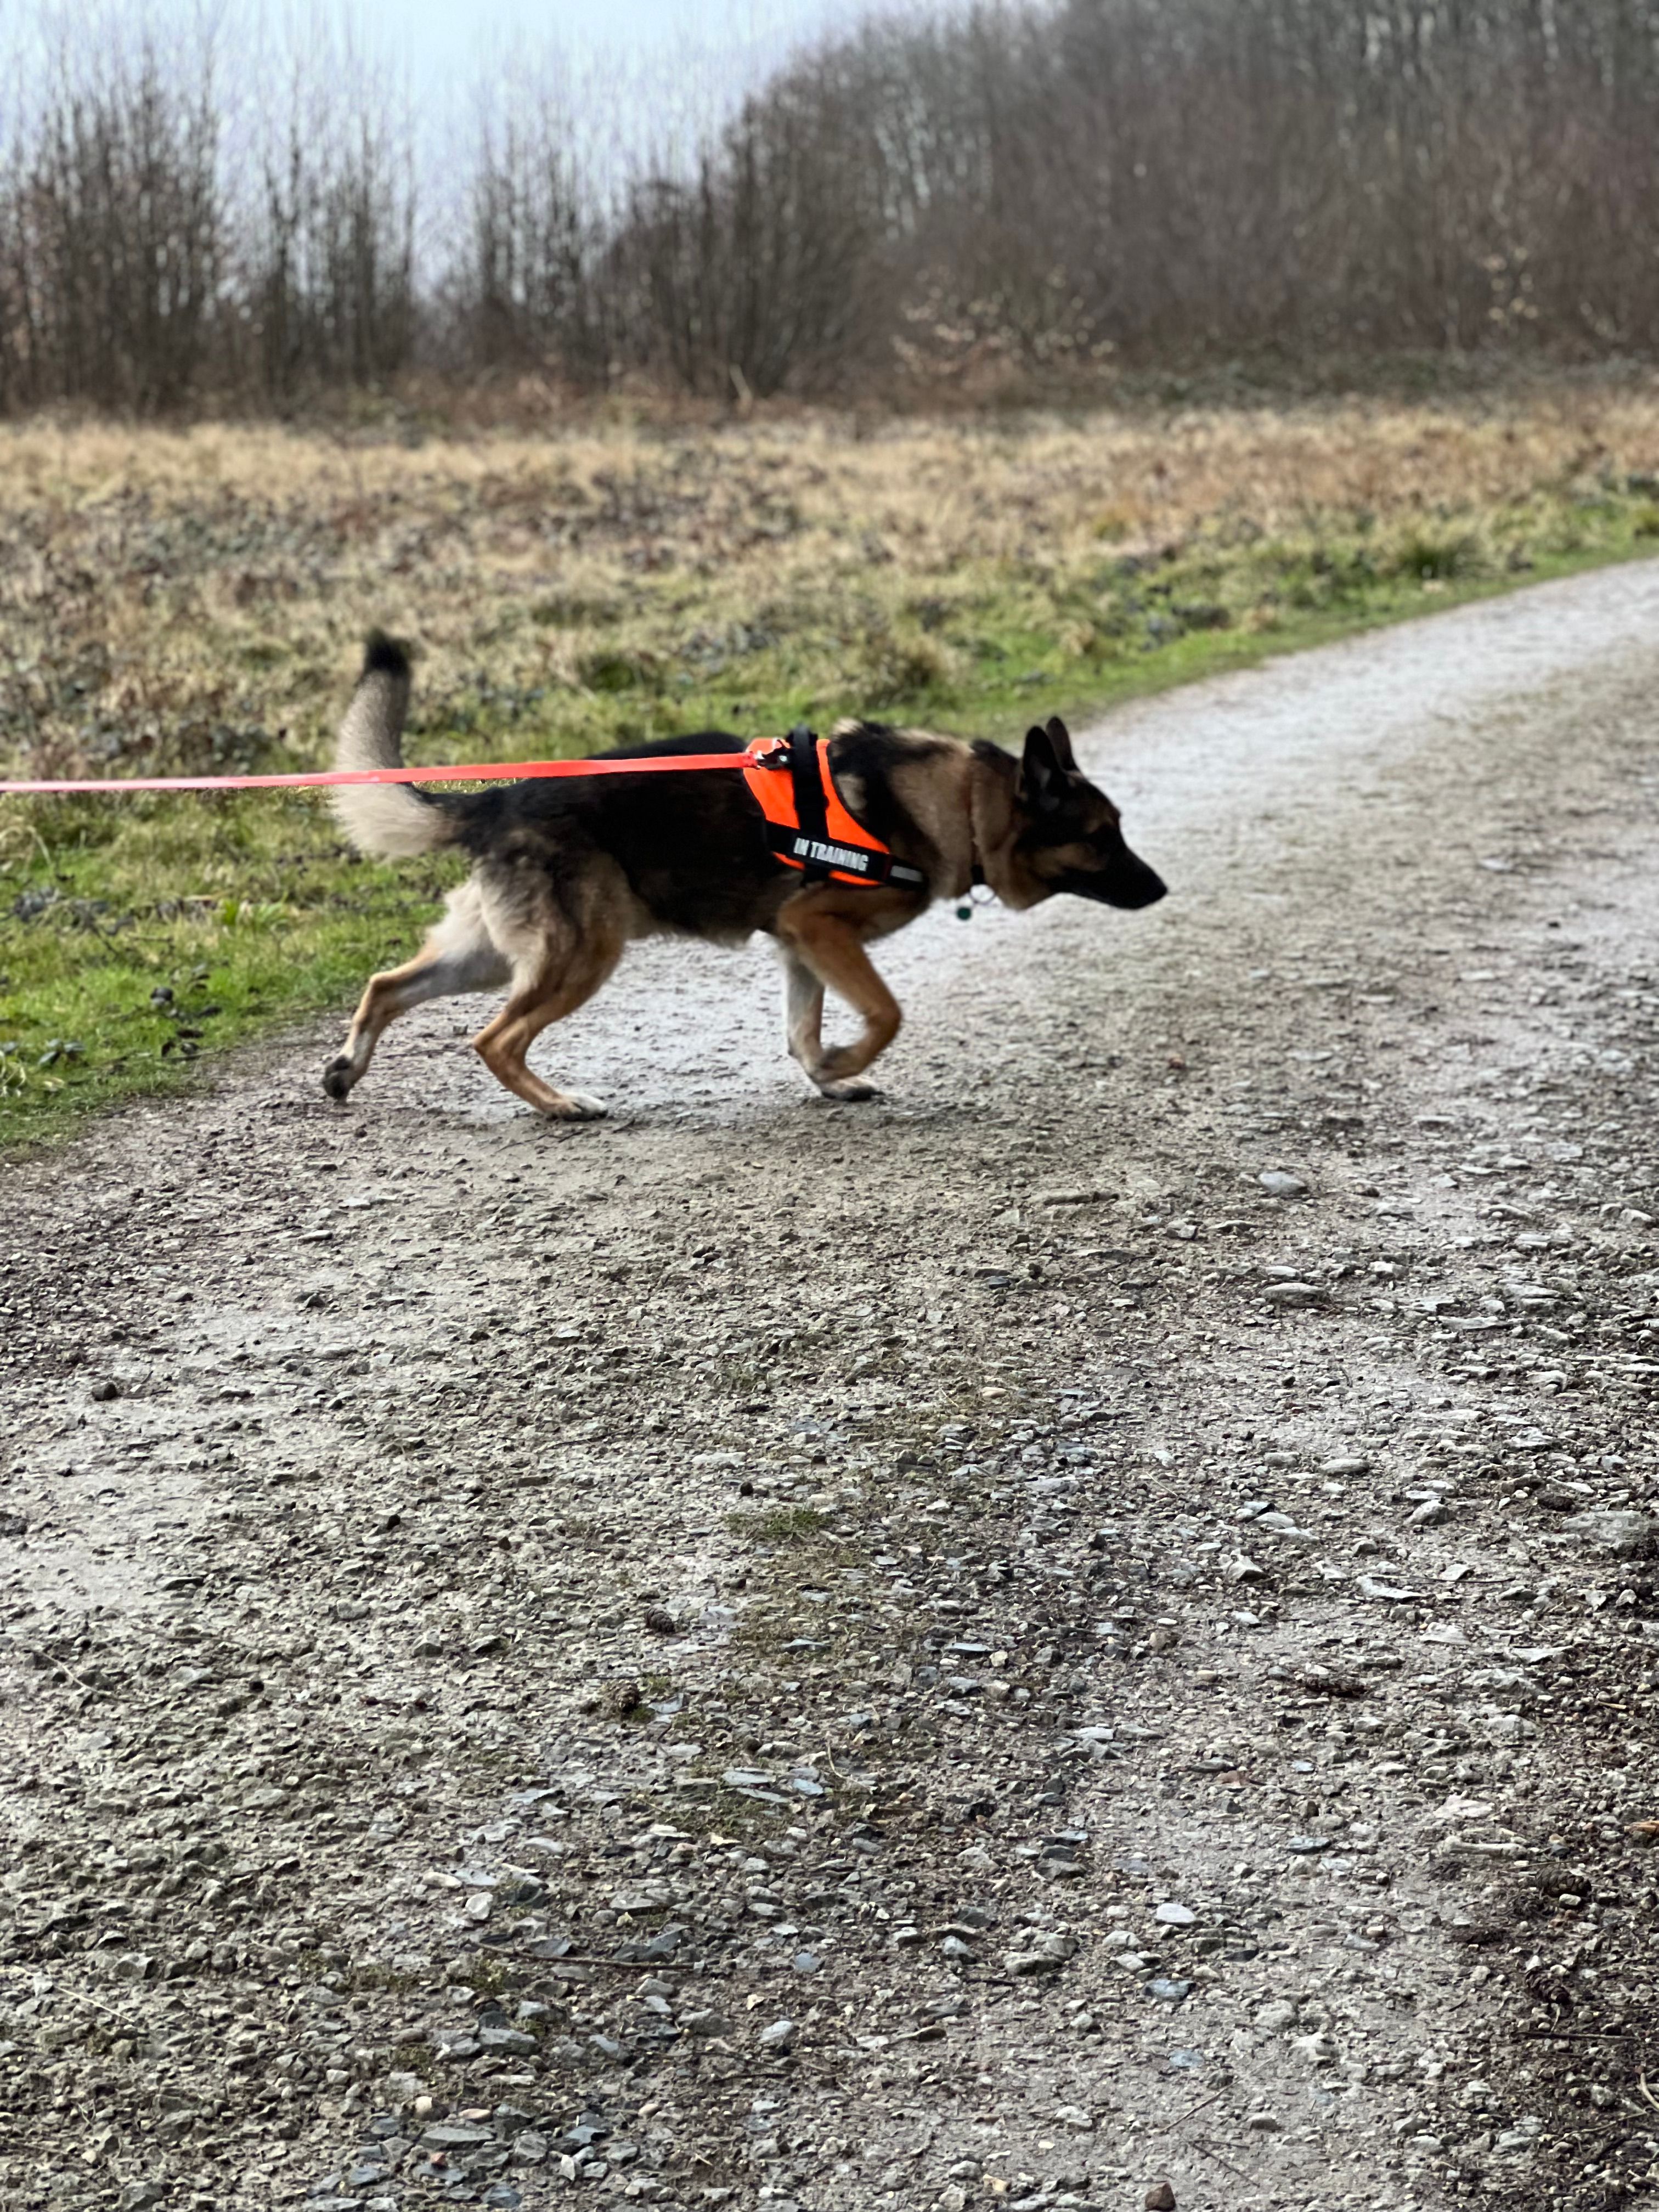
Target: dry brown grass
[{"x": 223, "y": 574}]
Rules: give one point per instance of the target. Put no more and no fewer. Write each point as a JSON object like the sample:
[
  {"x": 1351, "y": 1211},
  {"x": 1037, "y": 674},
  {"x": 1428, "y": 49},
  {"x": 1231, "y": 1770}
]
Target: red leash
[{"x": 519, "y": 771}]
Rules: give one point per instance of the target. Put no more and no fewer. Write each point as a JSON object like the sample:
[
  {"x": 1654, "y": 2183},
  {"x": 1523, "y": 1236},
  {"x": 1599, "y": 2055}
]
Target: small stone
[
  {"x": 1291, "y": 1294},
  {"x": 1076, "y": 2118},
  {"x": 649, "y": 1897},
  {"x": 1043, "y": 1954},
  {"x": 509, "y": 2041},
  {"x": 1304, "y": 1847},
  {"x": 446, "y": 2135},
  {"x": 1626, "y": 1535},
  {"x": 706, "y": 2023},
  {"x": 1176, "y": 1916},
  {"x": 478, "y": 1904},
  {"x": 136, "y": 2193},
  {"x": 779, "y": 2036},
  {"x": 954, "y": 1949},
  {"x": 807, "y": 1962},
  {"x": 1277, "y": 2015},
  {"x": 102, "y": 1392},
  {"x": 1317, "y": 2049},
  {"x": 1168, "y": 1992},
  {"x": 1160, "y": 2197},
  {"x": 1341, "y": 1466},
  {"x": 1278, "y": 1182},
  {"x": 530, "y": 2148},
  {"x": 1244, "y": 1569},
  {"x": 1263, "y": 2124}
]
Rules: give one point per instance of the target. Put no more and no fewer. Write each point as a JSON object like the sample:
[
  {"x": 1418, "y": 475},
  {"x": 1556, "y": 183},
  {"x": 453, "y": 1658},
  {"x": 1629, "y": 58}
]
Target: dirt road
[{"x": 1089, "y": 1624}]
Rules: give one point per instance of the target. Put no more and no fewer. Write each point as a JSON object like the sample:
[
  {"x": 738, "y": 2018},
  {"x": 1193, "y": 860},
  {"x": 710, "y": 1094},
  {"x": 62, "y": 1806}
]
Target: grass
[
  {"x": 781, "y": 1524},
  {"x": 194, "y": 600}
]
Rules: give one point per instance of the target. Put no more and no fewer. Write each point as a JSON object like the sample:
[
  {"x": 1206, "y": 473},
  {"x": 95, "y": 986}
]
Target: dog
[{"x": 567, "y": 873}]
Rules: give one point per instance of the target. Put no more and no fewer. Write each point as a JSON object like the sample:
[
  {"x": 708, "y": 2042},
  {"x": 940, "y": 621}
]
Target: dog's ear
[
  {"x": 1060, "y": 738},
  {"x": 1042, "y": 773}
]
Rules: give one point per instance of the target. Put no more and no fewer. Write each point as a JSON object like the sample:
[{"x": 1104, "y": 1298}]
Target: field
[{"x": 193, "y": 600}]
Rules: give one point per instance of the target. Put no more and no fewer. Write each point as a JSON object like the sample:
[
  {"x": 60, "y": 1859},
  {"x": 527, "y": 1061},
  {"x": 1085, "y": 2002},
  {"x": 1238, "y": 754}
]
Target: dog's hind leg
[
  {"x": 831, "y": 951},
  {"x": 555, "y": 989},
  {"x": 458, "y": 956}
]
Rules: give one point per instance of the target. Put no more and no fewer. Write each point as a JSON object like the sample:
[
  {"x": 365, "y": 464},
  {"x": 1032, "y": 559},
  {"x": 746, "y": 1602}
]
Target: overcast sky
[
  {"x": 442, "y": 44},
  {"x": 440, "y": 41},
  {"x": 629, "y": 74}
]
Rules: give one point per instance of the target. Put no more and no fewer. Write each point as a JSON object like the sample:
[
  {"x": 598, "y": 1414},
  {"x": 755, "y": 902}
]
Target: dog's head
[{"x": 1069, "y": 836}]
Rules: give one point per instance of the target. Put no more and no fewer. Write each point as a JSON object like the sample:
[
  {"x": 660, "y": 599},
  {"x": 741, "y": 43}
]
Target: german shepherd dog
[{"x": 567, "y": 873}]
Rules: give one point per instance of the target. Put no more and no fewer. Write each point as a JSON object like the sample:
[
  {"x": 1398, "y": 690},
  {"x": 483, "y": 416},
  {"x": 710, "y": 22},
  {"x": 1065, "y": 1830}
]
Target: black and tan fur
[{"x": 567, "y": 873}]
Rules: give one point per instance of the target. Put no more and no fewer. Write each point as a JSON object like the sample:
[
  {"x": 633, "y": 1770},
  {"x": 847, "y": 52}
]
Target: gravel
[{"x": 1075, "y": 1766}]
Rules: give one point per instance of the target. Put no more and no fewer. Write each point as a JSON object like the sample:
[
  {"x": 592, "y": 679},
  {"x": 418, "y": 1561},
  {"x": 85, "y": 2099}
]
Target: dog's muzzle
[{"x": 1127, "y": 883}]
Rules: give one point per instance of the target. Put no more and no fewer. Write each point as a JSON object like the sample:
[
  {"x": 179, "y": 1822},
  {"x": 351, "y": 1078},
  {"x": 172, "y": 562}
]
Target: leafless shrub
[
  {"x": 324, "y": 257},
  {"x": 528, "y": 287},
  {"x": 109, "y": 238}
]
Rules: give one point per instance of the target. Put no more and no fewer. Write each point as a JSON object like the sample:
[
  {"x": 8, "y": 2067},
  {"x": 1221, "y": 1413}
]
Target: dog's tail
[{"x": 395, "y": 819}]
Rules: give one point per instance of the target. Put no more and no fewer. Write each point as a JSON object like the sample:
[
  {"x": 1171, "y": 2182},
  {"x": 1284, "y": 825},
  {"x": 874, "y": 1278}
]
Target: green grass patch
[
  {"x": 778, "y": 1524},
  {"x": 140, "y": 937}
]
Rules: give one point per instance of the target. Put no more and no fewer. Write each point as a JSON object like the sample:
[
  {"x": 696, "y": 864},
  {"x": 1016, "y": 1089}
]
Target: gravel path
[{"x": 1080, "y": 1636}]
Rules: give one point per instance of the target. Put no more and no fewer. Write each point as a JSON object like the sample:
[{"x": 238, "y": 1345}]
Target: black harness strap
[{"x": 807, "y": 780}]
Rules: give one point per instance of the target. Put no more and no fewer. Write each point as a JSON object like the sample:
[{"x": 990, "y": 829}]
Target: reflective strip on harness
[{"x": 807, "y": 826}]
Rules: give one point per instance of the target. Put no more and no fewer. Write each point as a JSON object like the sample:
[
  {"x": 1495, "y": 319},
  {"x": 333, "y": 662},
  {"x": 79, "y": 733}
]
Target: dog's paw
[
  {"x": 339, "y": 1076},
  {"x": 577, "y": 1106},
  {"x": 853, "y": 1092}
]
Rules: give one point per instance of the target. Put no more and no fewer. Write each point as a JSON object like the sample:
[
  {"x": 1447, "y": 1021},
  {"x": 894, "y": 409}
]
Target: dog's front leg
[
  {"x": 831, "y": 954},
  {"x": 803, "y": 1011}
]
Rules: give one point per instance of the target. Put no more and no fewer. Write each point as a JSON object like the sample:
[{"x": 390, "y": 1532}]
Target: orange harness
[{"x": 807, "y": 826}]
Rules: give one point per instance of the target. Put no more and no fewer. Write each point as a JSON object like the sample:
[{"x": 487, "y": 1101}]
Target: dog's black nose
[{"x": 1139, "y": 886}]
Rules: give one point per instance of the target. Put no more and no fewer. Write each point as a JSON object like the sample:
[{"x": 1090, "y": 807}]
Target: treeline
[{"x": 1023, "y": 191}]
